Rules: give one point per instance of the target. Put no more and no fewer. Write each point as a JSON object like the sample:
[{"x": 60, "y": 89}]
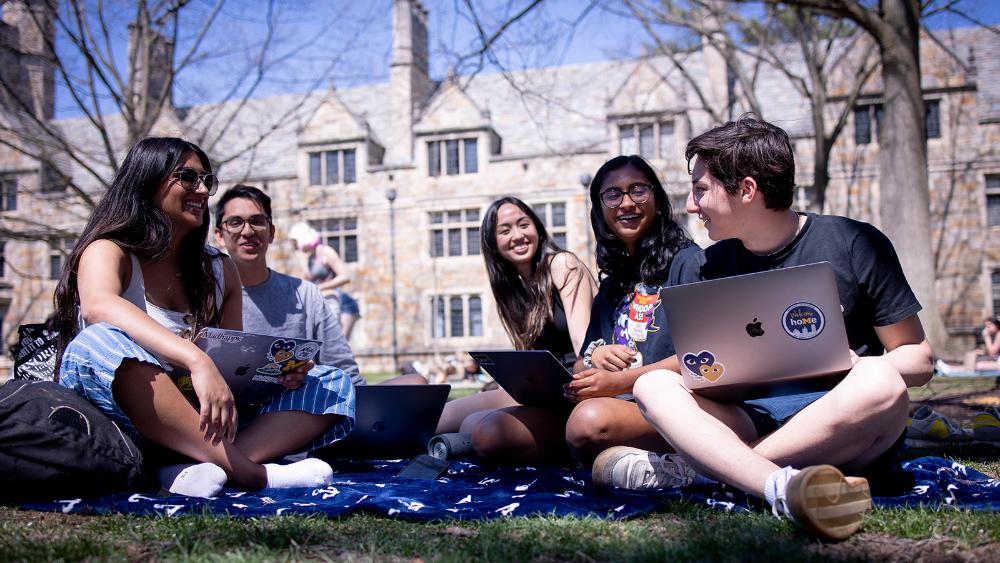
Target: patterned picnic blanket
[{"x": 472, "y": 491}]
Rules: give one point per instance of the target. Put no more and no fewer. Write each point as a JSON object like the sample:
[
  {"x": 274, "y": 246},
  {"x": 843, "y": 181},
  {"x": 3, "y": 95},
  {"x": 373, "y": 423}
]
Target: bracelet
[{"x": 590, "y": 351}]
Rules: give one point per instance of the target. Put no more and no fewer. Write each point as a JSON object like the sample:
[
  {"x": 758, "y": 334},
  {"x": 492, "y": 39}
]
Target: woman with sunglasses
[
  {"x": 543, "y": 294},
  {"x": 323, "y": 266},
  {"x": 139, "y": 284},
  {"x": 640, "y": 249}
]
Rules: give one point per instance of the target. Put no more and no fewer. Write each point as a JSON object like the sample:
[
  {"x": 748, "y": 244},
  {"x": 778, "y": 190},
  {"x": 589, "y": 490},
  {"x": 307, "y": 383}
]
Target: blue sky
[{"x": 343, "y": 42}]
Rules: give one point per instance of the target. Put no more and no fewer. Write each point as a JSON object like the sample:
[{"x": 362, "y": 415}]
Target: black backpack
[{"x": 54, "y": 443}]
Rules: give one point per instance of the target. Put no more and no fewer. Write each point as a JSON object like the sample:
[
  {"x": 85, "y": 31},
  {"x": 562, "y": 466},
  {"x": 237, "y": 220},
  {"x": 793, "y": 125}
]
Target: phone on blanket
[{"x": 424, "y": 467}]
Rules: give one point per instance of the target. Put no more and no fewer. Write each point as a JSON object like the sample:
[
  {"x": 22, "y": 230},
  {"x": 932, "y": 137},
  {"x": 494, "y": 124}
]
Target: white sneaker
[
  {"x": 822, "y": 501},
  {"x": 635, "y": 469}
]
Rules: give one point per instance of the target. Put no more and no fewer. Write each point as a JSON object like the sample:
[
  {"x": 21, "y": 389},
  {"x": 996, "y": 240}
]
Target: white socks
[
  {"x": 193, "y": 479},
  {"x": 774, "y": 489},
  {"x": 310, "y": 472}
]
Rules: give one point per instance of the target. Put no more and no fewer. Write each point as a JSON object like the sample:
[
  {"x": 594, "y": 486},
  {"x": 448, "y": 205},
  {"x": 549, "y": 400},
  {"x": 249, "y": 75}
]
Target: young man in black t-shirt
[{"x": 742, "y": 189}]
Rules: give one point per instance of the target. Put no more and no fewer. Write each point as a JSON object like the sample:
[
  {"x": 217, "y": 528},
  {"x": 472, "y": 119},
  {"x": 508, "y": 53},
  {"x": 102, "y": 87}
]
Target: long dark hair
[
  {"x": 127, "y": 216},
  {"x": 524, "y": 305},
  {"x": 656, "y": 250}
]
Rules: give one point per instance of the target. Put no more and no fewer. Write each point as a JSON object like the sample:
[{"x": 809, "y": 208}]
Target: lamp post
[
  {"x": 390, "y": 194},
  {"x": 585, "y": 180}
]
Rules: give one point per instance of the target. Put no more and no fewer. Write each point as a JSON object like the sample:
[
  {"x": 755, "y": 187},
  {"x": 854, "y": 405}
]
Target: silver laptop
[
  {"x": 393, "y": 421},
  {"x": 250, "y": 363},
  {"x": 771, "y": 333},
  {"x": 531, "y": 377}
]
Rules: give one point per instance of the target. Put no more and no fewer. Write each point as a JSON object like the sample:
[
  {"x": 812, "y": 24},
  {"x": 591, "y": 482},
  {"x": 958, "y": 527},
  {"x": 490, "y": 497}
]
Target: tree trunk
[{"x": 903, "y": 187}]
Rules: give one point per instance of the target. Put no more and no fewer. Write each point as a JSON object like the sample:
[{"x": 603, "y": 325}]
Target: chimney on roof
[
  {"x": 27, "y": 69},
  {"x": 409, "y": 82}
]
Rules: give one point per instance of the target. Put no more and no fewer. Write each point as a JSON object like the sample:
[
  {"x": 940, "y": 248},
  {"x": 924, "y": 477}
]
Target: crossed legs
[
  {"x": 162, "y": 414},
  {"x": 848, "y": 427}
]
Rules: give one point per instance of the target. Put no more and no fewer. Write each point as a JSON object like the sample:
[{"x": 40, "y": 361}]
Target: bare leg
[
  {"x": 456, "y": 411},
  {"x": 276, "y": 434},
  {"x": 408, "y": 379},
  {"x": 850, "y": 426},
  {"x": 161, "y": 413},
  {"x": 347, "y": 321},
  {"x": 519, "y": 434},
  {"x": 597, "y": 424}
]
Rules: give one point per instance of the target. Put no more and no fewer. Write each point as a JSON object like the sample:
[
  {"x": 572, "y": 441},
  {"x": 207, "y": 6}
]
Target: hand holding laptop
[
  {"x": 296, "y": 378},
  {"x": 592, "y": 383}
]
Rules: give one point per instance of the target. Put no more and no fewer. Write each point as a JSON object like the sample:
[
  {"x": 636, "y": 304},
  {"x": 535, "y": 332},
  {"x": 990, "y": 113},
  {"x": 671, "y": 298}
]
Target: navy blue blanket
[{"x": 471, "y": 491}]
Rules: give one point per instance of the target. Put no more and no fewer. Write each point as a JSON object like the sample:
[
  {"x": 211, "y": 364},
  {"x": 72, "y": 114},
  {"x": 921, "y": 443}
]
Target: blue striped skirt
[{"x": 92, "y": 358}]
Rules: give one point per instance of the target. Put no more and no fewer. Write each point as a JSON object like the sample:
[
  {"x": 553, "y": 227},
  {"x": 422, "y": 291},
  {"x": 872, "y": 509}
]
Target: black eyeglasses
[
  {"x": 638, "y": 193},
  {"x": 189, "y": 180},
  {"x": 256, "y": 222}
]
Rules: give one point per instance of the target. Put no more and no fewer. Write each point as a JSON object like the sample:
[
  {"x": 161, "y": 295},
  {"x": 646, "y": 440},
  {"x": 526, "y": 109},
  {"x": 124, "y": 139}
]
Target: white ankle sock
[
  {"x": 774, "y": 488},
  {"x": 310, "y": 472},
  {"x": 193, "y": 479}
]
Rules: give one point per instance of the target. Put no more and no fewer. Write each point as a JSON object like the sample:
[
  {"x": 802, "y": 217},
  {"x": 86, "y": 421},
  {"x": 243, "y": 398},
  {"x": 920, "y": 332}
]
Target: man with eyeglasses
[{"x": 275, "y": 303}]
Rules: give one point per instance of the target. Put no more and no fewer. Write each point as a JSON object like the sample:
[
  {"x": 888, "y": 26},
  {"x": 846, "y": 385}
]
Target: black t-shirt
[
  {"x": 609, "y": 319},
  {"x": 873, "y": 290},
  {"x": 555, "y": 334}
]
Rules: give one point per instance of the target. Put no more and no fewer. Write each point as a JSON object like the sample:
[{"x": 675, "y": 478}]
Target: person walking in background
[
  {"x": 543, "y": 295},
  {"x": 137, "y": 288},
  {"x": 323, "y": 266}
]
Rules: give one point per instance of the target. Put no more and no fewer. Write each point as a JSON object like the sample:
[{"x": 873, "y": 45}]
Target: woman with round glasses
[
  {"x": 640, "y": 249},
  {"x": 543, "y": 295},
  {"x": 138, "y": 286},
  {"x": 323, "y": 266}
]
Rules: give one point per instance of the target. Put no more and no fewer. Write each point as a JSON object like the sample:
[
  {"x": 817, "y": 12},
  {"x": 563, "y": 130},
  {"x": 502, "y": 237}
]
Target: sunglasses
[
  {"x": 235, "y": 224},
  {"x": 189, "y": 178},
  {"x": 638, "y": 193}
]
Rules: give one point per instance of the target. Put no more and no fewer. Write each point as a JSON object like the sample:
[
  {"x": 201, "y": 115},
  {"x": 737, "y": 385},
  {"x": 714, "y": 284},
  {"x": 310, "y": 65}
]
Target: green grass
[{"x": 679, "y": 531}]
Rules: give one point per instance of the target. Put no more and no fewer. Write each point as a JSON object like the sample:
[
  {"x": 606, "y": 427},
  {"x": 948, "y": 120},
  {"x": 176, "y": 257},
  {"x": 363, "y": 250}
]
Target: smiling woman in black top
[{"x": 543, "y": 295}]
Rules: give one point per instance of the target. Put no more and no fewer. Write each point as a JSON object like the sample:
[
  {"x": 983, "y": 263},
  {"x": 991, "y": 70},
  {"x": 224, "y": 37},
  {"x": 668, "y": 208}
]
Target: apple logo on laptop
[
  {"x": 242, "y": 370},
  {"x": 378, "y": 426},
  {"x": 754, "y": 328}
]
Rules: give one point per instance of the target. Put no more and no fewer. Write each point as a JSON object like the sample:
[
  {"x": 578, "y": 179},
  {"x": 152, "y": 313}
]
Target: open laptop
[
  {"x": 770, "y": 333},
  {"x": 531, "y": 377},
  {"x": 251, "y": 363},
  {"x": 392, "y": 422}
]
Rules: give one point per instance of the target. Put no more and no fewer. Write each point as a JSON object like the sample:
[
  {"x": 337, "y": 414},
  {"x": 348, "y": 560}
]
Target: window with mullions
[
  {"x": 332, "y": 167},
  {"x": 648, "y": 139},
  {"x": 553, "y": 215},
  {"x": 459, "y": 156},
  {"x": 456, "y": 316},
  {"x": 3, "y": 259},
  {"x": 8, "y": 194},
  {"x": 995, "y": 290},
  {"x": 454, "y": 233},
  {"x": 866, "y": 114},
  {"x": 59, "y": 251},
  {"x": 993, "y": 200},
  {"x": 341, "y": 234}
]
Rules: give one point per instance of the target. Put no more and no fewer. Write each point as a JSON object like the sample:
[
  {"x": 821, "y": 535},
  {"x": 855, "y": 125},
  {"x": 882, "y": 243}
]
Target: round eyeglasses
[
  {"x": 638, "y": 193},
  {"x": 256, "y": 222},
  {"x": 189, "y": 178}
]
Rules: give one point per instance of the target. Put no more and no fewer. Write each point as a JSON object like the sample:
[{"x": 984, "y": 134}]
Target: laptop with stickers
[
  {"x": 392, "y": 421},
  {"x": 770, "y": 333},
  {"x": 250, "y": 363},
  {"x": 531, "y": 377}
]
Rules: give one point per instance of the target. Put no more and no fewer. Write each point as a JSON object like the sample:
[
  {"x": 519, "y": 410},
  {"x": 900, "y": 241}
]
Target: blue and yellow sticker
[
  {"x": 803, "y": 321},
  {"x": 703, "y": 366}
]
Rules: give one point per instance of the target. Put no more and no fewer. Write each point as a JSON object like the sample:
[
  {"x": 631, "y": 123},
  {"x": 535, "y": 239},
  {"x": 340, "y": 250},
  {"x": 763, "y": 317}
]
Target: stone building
[{"x": 396, "y": 174}]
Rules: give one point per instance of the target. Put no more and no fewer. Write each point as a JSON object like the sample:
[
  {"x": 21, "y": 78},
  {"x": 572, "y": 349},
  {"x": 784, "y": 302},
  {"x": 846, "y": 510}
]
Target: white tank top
[{"x": 175, "y": 321}]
